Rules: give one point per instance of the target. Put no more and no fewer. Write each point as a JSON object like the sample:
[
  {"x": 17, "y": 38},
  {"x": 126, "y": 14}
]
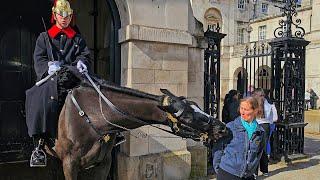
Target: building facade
[
  {"x": 143, "y": 44},
  {"x": 248, "y": 22},
  {"x": 148, "y": 45}
]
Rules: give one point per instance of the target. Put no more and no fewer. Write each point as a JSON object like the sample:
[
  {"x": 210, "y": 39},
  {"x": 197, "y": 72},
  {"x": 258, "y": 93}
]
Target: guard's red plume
[{"x": 52, "y": 18}]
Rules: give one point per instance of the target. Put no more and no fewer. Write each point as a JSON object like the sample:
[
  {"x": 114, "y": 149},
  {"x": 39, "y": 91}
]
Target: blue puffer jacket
[{"x": 238, "y": 155}]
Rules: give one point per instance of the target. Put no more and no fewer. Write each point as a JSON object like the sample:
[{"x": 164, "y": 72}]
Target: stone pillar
[
  {"x": 195, "y": 92},
  {"x": 155, "y": 53}
]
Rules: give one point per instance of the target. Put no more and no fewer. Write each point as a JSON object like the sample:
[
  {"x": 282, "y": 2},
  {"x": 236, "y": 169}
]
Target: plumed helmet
[{"x": 62, "y": 7}]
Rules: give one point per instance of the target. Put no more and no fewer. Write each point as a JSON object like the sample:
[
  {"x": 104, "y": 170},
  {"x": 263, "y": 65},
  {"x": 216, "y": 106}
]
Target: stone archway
[
  {"x": 99, "y": 21},
  {"x": 212, "y": 17},
  {"x": 263, "y": 77}
]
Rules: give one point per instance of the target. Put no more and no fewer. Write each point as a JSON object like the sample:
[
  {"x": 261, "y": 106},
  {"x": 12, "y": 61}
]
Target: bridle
[
  {"x": 177, "y": 127},
  {"x": 180, "y": 128}
]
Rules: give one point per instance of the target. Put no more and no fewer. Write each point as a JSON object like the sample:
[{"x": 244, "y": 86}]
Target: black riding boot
[{"x": 38, "y": 156}]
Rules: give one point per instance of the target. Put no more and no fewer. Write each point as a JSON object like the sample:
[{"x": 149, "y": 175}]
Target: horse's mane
[{"x": 114, "y": 87}]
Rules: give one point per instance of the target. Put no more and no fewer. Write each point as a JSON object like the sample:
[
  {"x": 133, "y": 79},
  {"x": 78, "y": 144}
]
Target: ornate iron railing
[{"x": 212, "y": 70}]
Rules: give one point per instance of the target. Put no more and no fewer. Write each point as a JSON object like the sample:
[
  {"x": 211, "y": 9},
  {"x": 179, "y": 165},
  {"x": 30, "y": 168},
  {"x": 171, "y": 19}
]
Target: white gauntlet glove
[
  {"x": 54, "y": 66},
  {"x": 81, "y": 67}
]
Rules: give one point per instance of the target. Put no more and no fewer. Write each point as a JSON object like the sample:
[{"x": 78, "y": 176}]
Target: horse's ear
[
  {"x": 167, "y": 92},
  {"x": 164, "y": 91}
]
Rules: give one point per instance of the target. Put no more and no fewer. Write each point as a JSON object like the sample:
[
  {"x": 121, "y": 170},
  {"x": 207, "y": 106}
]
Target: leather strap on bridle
[
  {"x": 114, "y": 108},
  {"x": 105, "y": 137}
]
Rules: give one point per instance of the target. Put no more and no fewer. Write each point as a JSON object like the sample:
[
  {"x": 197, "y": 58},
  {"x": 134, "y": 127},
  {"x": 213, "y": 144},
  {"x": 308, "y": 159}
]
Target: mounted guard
[
  {"x": 60, "y": 56},
  {"x": 86, "y": 136}
]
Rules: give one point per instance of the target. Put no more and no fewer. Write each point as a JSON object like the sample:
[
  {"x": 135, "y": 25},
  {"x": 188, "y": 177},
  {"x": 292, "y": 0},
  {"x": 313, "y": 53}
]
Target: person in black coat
[
  {"x": 230, "y": 110},
  {"x": 61, "y": 53},
  {"x": 313, "y": 99}
]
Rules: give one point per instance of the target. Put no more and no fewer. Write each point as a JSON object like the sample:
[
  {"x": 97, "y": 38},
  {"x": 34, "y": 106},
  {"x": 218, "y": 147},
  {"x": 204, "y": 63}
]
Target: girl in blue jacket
[{"x": 237, "y": 157}]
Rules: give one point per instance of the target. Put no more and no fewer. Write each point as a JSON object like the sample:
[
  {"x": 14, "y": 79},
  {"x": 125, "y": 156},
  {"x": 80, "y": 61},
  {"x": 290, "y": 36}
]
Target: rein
[
  {"x": 189, "y": 132},
  {"x": 113, "y": 108},
  {"x": 104, "y": 137}
]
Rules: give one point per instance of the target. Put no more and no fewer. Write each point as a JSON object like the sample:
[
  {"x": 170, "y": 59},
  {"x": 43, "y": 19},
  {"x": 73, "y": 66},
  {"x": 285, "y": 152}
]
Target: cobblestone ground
[{"x": 304, "y": 169}]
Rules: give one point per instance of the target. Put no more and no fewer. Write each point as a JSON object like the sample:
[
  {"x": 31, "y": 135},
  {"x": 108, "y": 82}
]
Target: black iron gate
[
  {"x": 212, "y": 76},
  {"x": 256, "y": 67},
  {"x": 212, "y": 70},
  {"x": 280, "y": 69}
]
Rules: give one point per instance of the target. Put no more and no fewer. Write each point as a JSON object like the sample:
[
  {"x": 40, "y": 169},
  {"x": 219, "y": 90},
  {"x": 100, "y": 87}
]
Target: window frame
[
  {"x": 264, "y": 8},
  {"x": 241, "y": 4},
  {"x": 262, "y": 33},
  {"x": 240, "y": 35}
]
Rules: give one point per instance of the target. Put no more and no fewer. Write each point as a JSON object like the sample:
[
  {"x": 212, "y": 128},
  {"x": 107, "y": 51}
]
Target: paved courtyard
[{"x": 308, "y": 168}]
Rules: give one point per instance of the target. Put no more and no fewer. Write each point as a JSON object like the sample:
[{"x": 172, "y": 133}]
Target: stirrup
[{"x": 38, "y": 158}]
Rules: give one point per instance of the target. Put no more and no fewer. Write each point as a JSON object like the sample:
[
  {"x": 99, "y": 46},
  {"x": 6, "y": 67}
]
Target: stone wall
[
  {"x": 159, "y": 49},
  {"x": 154, "y": 58}
]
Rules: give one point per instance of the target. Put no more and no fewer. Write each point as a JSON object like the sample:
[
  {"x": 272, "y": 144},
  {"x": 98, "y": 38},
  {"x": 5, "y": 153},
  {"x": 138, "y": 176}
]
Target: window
[
  {"x": 264, "y": 8},
  {"x": 240, "y": 36},
  {"x": 241, "y": 4},
  {"x": 262, "y": 32}
]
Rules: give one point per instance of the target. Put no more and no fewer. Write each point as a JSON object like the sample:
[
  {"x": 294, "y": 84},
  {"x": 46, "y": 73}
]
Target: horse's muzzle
[{"x": 217, "y": 130}]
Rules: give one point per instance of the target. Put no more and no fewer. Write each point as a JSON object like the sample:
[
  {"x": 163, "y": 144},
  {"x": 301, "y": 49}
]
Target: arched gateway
[{"x": 98, "y": 21}]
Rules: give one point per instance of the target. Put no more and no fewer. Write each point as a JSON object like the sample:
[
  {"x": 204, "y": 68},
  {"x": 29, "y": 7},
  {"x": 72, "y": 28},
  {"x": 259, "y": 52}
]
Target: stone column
[{"x": 154, "y": 52}]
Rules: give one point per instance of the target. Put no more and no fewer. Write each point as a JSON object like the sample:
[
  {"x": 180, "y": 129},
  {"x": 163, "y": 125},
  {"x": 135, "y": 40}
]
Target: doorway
[
  {"x": 22, "y": 22},
  {"x": 98, "y": 22}
]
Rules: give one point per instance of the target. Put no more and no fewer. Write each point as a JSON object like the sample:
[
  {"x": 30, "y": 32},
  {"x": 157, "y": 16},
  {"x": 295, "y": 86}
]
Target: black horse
[{"x": 87, "y": 126}]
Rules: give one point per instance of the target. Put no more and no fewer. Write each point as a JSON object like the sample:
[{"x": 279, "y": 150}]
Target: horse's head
[{"x": 188, "y": 120}]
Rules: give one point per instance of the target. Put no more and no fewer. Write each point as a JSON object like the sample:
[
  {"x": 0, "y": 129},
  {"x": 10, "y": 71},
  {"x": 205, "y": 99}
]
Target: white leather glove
[
  {"x": 53, "y": 66},
  {"x": 81, "y": 67}
]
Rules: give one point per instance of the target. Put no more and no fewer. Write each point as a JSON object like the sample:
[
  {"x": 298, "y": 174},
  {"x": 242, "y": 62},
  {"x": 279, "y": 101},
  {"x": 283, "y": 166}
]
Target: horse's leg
[
  {"x": 65, "y": 147},
  {"x": 102, "y": 171},
  {"x": 70, "y": 168}
]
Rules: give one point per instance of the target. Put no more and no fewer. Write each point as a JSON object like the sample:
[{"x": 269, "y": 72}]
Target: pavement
[{"x": 308, "y": 168}]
